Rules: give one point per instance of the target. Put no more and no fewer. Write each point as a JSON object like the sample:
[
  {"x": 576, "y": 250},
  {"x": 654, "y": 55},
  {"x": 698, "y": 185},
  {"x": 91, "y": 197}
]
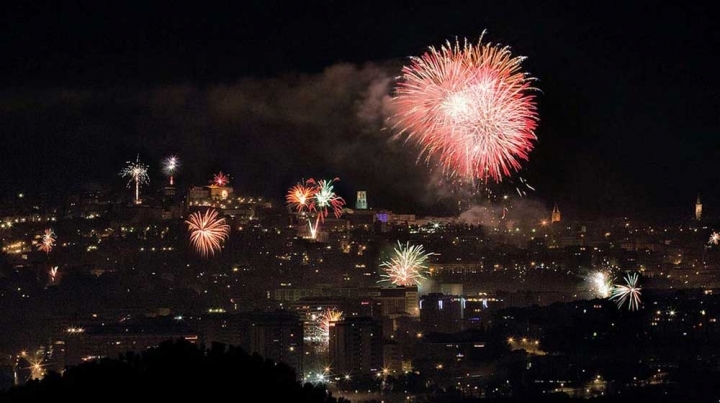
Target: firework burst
[
  {"x": 220, "y": 179},
  {"x": 301, "y": 197},
  {"x": 714, "y": 238},
  {"x": 138, "y": 174},
  {"x": 469, "y": 107},
  {"x": 601, "y": 283},
  {"x": 48, "y": 241},
  {"x": 628, "y": 292},
  {"x": 327, "y": 200},
  {"x": 170, "y": 166},
  {"x": 53, "y": 274},
  {"x": 407, "y": 266},
  {"x": 207, "y": 232},
  {"x": 326, "y": 320},
  {"x": 315, "y": 198}
]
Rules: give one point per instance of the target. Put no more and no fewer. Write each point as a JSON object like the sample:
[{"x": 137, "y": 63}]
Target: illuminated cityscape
[{"x": 451, "y": 209}]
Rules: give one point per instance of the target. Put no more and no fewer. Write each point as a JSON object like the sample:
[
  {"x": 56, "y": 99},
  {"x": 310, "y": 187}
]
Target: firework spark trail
[
  {"x": 469, "y": 107},
  {"x": 628, "y": 292},
  {"x": 170, "y": 165},
  {"x": 48, "y": 241},
  {"x": 138, "y": 174},
  {"x": 207, "y": 231},
  {"x": 53, "y": 274},
  {"x": 407, "y": 266}
]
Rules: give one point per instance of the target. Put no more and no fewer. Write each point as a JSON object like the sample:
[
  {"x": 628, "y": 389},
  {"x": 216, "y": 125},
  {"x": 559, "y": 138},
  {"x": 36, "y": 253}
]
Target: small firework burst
[
  {"x": 48, "y": 241},
  {"x": 601, "y": 283},
  {"x": 220, "y": 179},
  {"x": 327, "y": 200},
  {"x": 170, "y": 166},
  {"x": 317, "y": 199},
  {"x": 138, "y": 174},
  {"x": 714, "y": 238},
  {"x": 407, "y": 266},
  {"x": 327, "y": 320},
  {"x": 207, "y": 231},
  {"x": 301, "y": 197},
  {"x": 628, "y": 292}
]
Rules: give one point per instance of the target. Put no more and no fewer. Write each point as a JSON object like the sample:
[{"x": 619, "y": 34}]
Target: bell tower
[
  {"x": 555, "y": 217},
  {"x": 698, "y": 209}
]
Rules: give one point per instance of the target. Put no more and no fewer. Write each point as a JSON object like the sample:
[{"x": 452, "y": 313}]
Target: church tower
[
  {"x": 555, "y": 217},
  {"x": 698, "y": 209},
  {"x": 361, "y": 201}
]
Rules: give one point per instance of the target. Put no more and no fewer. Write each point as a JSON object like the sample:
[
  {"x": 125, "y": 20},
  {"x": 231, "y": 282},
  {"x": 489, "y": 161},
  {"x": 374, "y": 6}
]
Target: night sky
[{"x": 271, "y": 92}]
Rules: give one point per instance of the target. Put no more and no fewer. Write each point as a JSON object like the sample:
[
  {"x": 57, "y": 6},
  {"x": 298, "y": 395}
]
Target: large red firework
[
  {"x": 469, "y": 107},
  {"x": 207, "y": 231}
]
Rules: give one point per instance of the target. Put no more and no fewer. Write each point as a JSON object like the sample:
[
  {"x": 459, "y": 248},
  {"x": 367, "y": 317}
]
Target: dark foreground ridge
[{"x": 173, "y": 370}]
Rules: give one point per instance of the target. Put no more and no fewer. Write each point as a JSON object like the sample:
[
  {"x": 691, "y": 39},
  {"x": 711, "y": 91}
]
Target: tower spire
[
  {"x": 555, "y": 217},
  {"x": 698, "y": 208}
]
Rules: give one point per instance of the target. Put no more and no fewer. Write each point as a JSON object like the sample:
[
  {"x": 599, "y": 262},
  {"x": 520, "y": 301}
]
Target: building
[
  {"x": 373, "y": 301},
  {"x": 441, "y": 313},
  {"x": 555, "y": 217},
  {"x": 83, "y": 344},
  {"x": 396, "y": 300},
  {"x": 277, "y": 336},
  {"x": 698, "y": 209},
  {"x": 361, "y": 201},
  {"x": 356, "y": 346},
  {"x": 208, "y": 195}
]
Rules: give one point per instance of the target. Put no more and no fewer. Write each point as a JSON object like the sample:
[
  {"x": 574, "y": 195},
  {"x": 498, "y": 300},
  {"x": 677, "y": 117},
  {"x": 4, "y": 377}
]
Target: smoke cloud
[{"x": 267, "y": 134}]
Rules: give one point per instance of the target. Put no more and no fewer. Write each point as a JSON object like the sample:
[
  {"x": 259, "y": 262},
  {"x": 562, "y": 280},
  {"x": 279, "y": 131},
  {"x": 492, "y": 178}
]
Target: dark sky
[{"x": 271, "y": 92}]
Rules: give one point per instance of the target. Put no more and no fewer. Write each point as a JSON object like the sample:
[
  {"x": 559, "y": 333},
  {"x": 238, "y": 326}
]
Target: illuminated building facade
[
  {"x": 398, "y": 300},
  {"x": 361, "y": 201},
  {"x": 555, "y": 217},
  {"x": 356, "y": 346}
]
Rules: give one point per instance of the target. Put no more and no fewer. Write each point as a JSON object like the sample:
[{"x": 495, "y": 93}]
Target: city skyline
[
  {"x": 381, "y": 201},
  {"x": 626, "y": 103}
]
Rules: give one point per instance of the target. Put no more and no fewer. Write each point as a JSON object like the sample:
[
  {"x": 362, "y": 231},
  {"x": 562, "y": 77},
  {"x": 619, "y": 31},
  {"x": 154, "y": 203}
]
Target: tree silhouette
[{"x": 174, "y": 370}]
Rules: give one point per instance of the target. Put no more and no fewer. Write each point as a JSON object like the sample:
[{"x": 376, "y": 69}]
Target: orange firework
[
  {"x": 207, "y": 232},
  {"x": 48, "y": 241},
  {"x": 326, "y": 320},
  {"x": 302, "y": 196},
  {"x": 315, "y": 198}
]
